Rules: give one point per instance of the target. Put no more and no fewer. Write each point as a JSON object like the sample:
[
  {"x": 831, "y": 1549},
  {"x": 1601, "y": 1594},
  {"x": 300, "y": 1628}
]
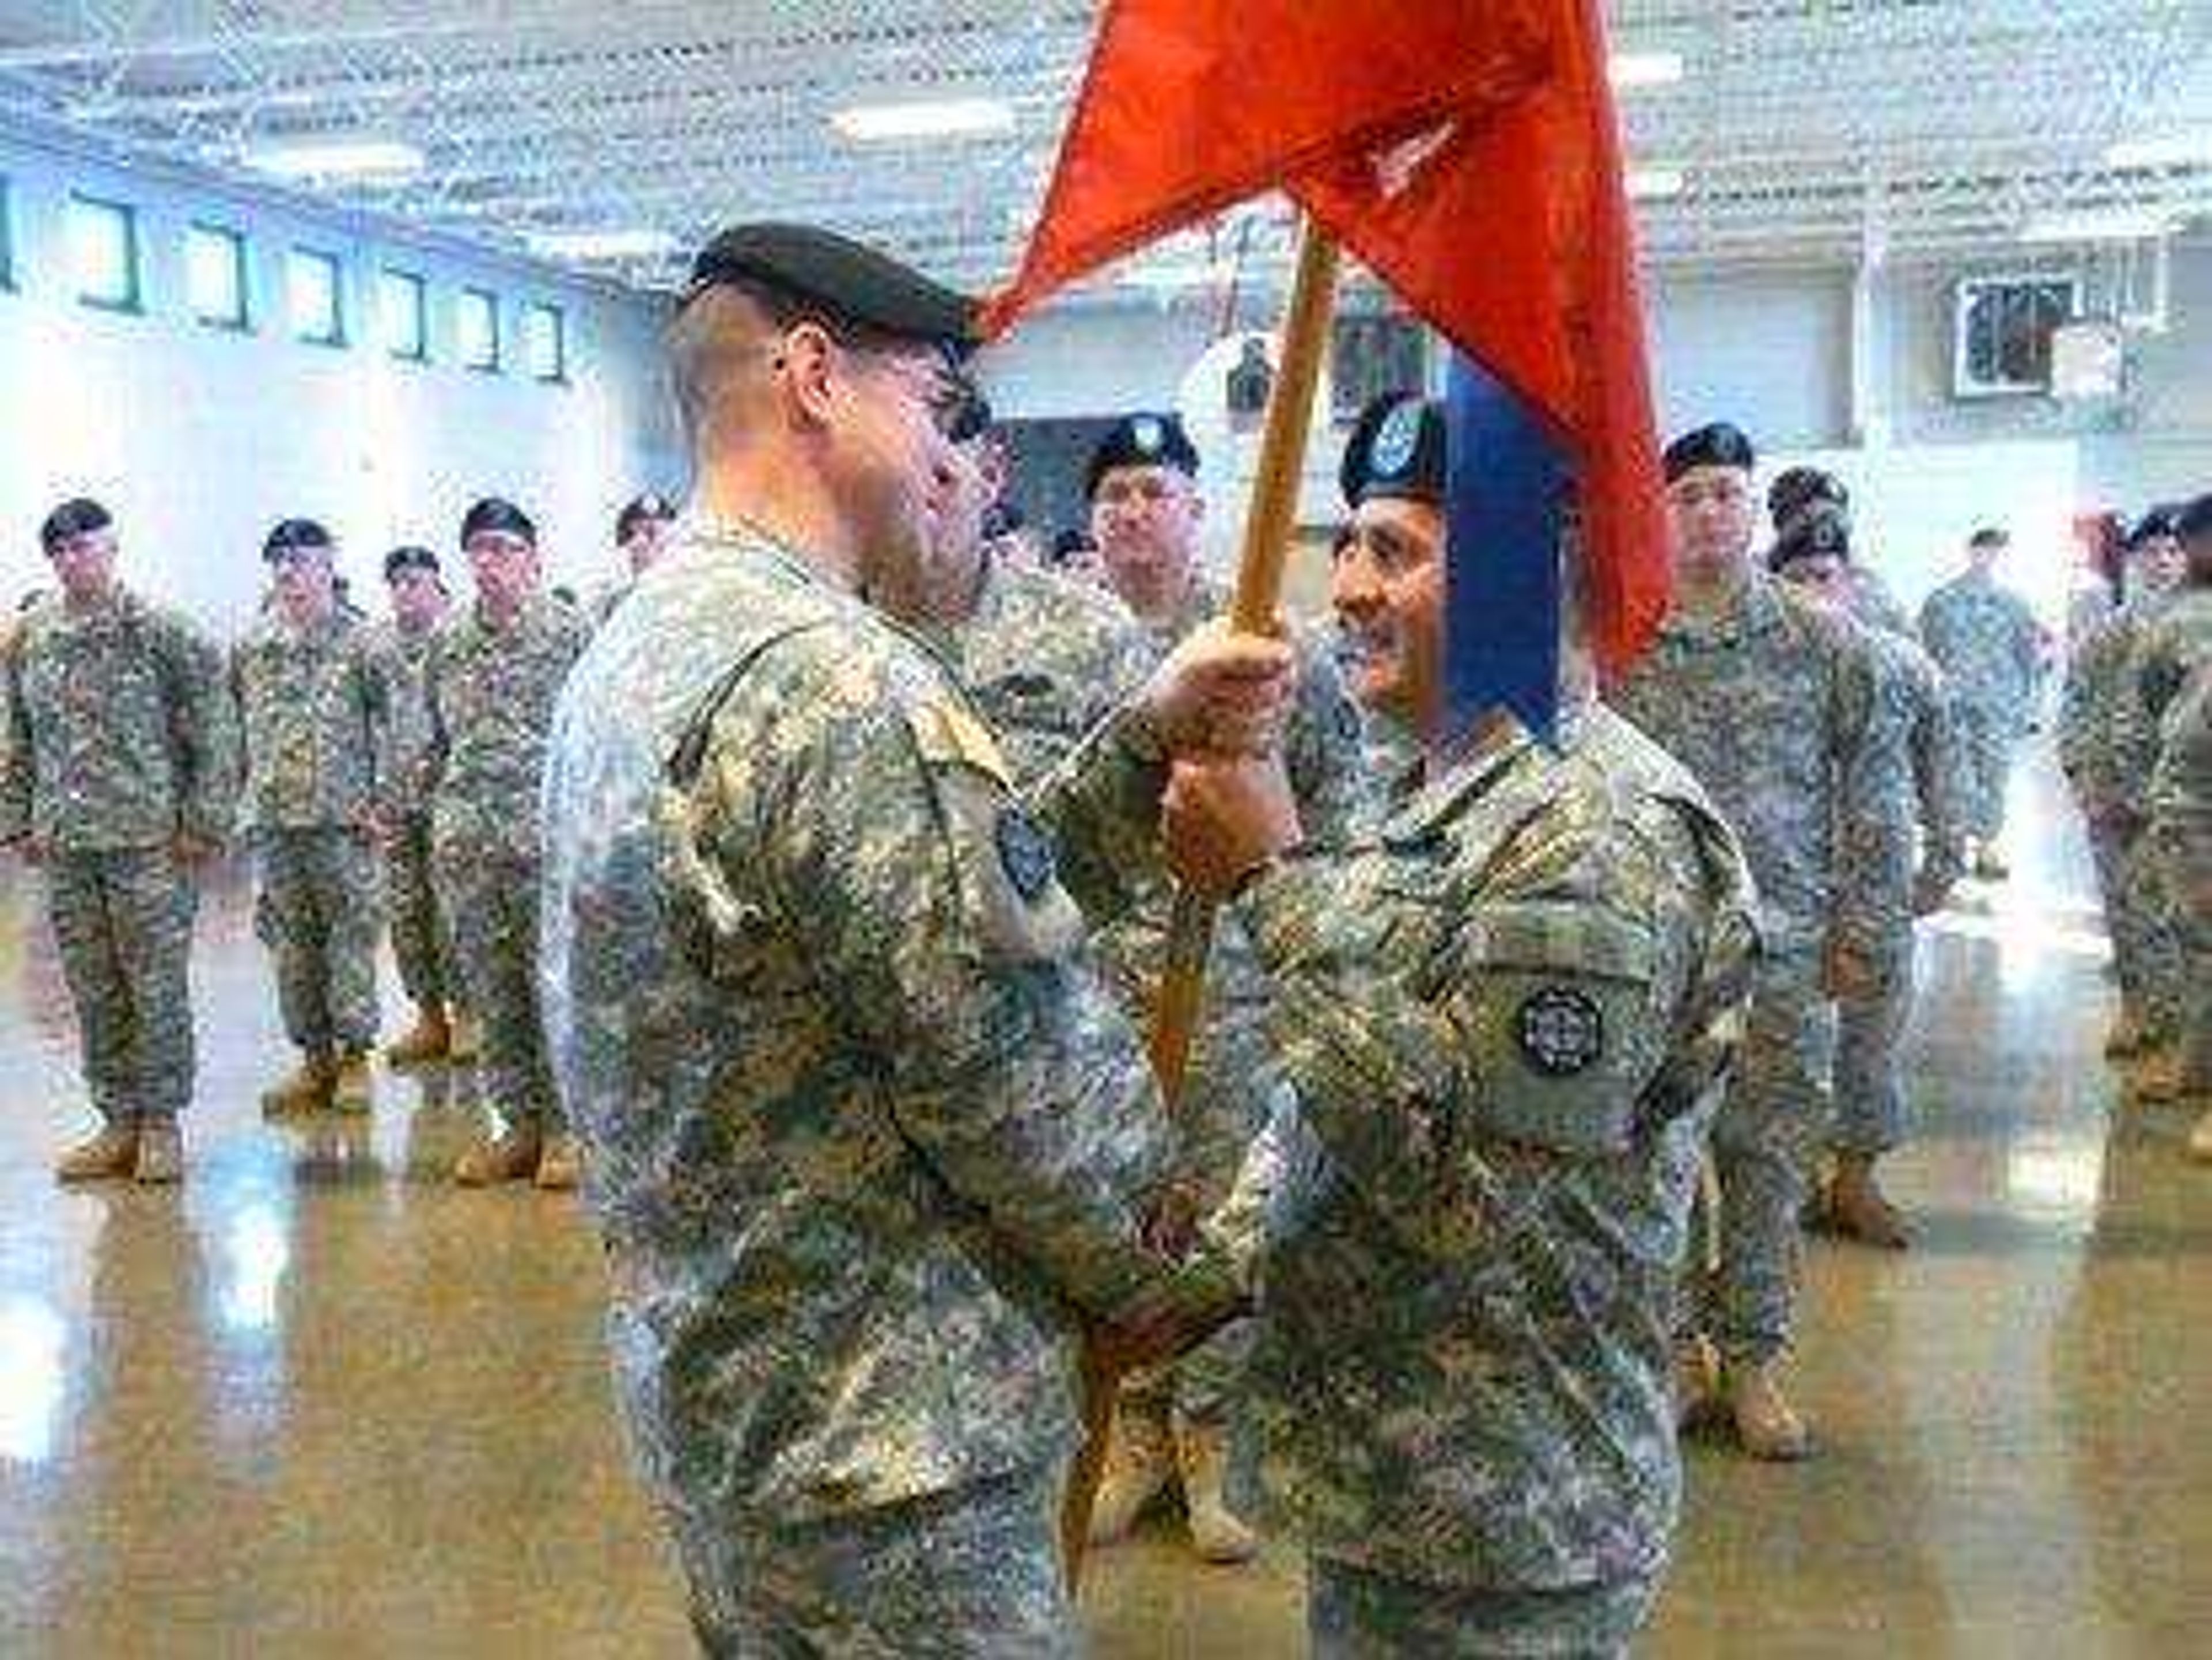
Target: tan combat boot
[
  {"x": 1767, "y": 1425},
  {"x": 427, "y": 1042},
  {"x": 109, "y": 1152},
  {"x": 2156, "y": 1075},
  {"x": 2125, "y": 1036},
  {"x": 1989, "y": 867},
  {"x": 1216, "y": 1532},
  {"x": 1858, "y": 1209},
  {"x": 464, "y": 1041},
  {"x": 306, "y": 1089},
  {"x": 560, "y": 1166},
  {"x": 160, "y": 1153},
  {"x": 512, "y": 1157},
  {"x": 352, "y": 1090},
  {"x": 1697, "y": 1380},
  {"x": 2200, "y": 1138},
  {"x": 1139, "y": 1462}
]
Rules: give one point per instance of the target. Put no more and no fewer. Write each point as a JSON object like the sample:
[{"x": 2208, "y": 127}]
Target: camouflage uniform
[
  {"x": 1918, "y": 745},
  {"x": 2152, "y": 718},
  {"x": 1988, "y": 644},
  {"x": 1772, "y": 707},
  {"x": 309, "y": 711},
  {"x": 2181, "y": 830},
  {"x": 491, "y": 692},
  {"x": 119, "y": 740},
  {"x": 2110, "y": 777},
  {"x": 1502, "y": 1011},
  {"x": 1234, "y": 1082},
  {"x": 863, "y": 1126},
  {"x": 419, "y": 938}
]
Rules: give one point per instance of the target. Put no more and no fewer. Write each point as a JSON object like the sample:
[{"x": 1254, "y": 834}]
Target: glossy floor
[{"x": 320, "y": 1402}]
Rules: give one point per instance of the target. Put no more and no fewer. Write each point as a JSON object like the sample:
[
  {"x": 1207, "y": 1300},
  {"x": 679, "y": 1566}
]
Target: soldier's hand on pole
[
  {"x": 1223, "y": 693},
  {"x": 1222, "y": 819}
]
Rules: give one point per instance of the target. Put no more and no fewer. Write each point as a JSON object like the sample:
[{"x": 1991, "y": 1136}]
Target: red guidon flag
[{"x": 1465, "y": 150}]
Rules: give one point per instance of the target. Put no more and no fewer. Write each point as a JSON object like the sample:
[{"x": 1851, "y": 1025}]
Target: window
[
  {"x": 215, "y": 276},
  {"x": 313, "y": 297},
  {"x": 403, "y": 311},
  {"x": 103, "y": 243},
  {"x": 2000, "y": 345},
  {"x": 545, "y": 343},
  {"x": 477, "y": 330}
]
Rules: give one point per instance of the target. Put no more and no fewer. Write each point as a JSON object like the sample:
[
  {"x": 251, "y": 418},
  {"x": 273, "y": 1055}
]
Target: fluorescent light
[
  {"x": 2175, "y": 150},
  {"x": 2098, "y": 225},
  {"x": 338, "y": 158},
  {"x": 951, "y": 117},
  {"x": 1656, "y": 184},
  {"x": 1644, "y": 69},
  {"x": 602, "y": 244}
]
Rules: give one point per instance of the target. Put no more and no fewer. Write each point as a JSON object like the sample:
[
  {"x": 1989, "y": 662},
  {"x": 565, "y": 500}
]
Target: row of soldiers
[
  {"x": 2131, "y": 742},
  {"x": 374, "y": 771}
]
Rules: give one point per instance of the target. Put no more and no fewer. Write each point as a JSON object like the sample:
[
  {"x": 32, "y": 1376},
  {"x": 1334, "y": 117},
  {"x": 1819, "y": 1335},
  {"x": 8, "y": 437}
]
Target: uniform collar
[
  {"x": 1755, "y": 609},
  {"x": 1431, "y": 790}
]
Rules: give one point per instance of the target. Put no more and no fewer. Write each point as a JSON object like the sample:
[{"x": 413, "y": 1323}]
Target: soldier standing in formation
[
  {"x": 868, "y": 1136},
  {"x": 1502, "y": 1011},
  {"x": 1914, "y": 736},
  {"x": 2111, "y": 786},
  {"x": 643, "y": 531},
  {"x": 420, "y": 939},
  {"x": 116, "y": 780},
  {"x": 1147, "y": 515},
  {"x": 1990, "y": 646},
  {"x": 1771, "y": 704},
  {"x": 494, "y": 671},
  {"x": 310, "y": 715}
]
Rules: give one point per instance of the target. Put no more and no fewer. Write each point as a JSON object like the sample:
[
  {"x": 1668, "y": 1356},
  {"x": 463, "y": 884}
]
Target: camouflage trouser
[
  {"x": 970, "y": 1572},
  {"x": 123, "y": 923},
  {"x": 491, "y": 907},
  {"x": 2146, "y": 931},
  {"x": 1870, "y": 1105},
  {"x": 418, "y": 931},
  {"x": 2186, "y": 863},
  {"x": 1987, "y": 739},
  {"x": 1352, "y": 1614},
  {"x": 1769, "y": 1128},
  {"x": 317, "y": 913}
]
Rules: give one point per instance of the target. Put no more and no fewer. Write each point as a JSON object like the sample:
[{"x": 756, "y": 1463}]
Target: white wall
[{"x": 200, "y": 438}]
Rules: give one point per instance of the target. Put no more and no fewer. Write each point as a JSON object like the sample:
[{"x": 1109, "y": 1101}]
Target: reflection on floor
[{"x": 321, "y": 1403}]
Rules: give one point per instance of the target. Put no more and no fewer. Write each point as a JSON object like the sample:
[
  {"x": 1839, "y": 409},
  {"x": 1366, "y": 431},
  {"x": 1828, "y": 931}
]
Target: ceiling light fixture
[
  {"x": 589, "y": 244},
  {"x": 363, "y": 158},
  {"x": 2099, "y": 225},
  {"x": 1628, "y": 70},
  {"x": 951, "y": 117}
]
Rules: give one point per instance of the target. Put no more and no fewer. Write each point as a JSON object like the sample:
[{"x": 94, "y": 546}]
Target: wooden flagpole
[{"x": 1253, "y": 610}]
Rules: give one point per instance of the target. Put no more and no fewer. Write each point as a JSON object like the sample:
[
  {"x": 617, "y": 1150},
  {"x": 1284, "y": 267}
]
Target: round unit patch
[
  {"x": 1561, "y": 1031},
  {"x": 1025, "y": 853}
]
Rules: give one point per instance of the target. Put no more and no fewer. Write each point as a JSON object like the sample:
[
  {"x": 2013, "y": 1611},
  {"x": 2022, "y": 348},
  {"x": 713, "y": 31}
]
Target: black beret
[
  {"x": 1141, "y": 441},
  {"x": 1800, "y": 488},
  {"x": 295, "y": 533},
  {"x": 1988, "y": 537},
  {"x": 410, "y": 558},
  {"x": 1719, "y": 445},
  {"x": 1812, "y": 536},
  {"x": 492, "y": 513},
  {"x": 2195, "y": 519},
  {"x": 1396, "y": 449},
  {"x": 849, "y": 282},
  {"x": 643, "y": 507},
  {"x": 79, "y": 517}
]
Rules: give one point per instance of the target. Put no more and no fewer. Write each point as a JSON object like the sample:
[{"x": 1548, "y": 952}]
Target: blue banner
[{"x": 1505, "y": 504}]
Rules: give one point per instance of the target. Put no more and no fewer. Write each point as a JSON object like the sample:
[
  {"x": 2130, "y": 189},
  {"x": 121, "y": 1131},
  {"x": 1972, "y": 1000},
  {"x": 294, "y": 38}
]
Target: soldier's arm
[
  {"x": 1868, "y": 826},
  {"x": 1448, "y": 1089},
  {"x": 15, "y": 760},
  {"x": 926, "y": 898},
  {"x": 1939, "y": 782},
  {"x": 205, "y": 727}
]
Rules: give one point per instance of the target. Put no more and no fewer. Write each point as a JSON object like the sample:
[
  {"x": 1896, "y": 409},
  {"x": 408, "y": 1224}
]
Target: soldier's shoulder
[{"x": 1653, "y": 798}]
